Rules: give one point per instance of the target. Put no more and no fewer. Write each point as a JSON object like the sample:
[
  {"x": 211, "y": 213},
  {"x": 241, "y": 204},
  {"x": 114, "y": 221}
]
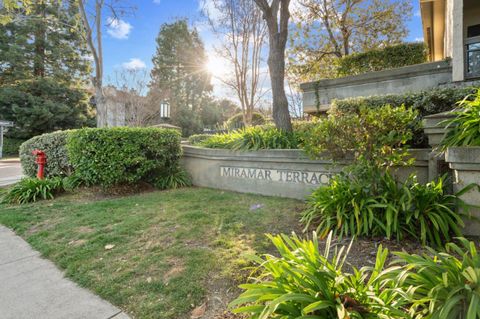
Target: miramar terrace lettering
[{"x": 276, "y": 175}]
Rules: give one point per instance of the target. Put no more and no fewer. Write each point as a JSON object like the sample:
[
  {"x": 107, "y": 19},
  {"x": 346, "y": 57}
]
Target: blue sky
[{"x": 131, "y": 42}]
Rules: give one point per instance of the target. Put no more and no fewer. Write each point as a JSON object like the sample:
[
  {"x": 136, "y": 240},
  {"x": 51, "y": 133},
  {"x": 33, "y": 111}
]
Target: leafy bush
[
  {"x": 303, "y": 283},
  {"x": 236, "y": 121},
  {"x": 54, "y": 146},
  {"x": 44, "y": 105},
  {"x": 464, "y": 128},
  {"x": 111, "y": 156},
  {"x": 32, "y": 189},
  {"x": 366, "y": 201},
  {"x": 383, "y": 59},
  {"x": 375, "y": 135},
  {"x": 198, "y": 138},
  {"x": 442, "y": 284},
  {"x": 253, "y": 138},
  {"x": 11, "y": 146},
  {"x": 426, "y": 103}
]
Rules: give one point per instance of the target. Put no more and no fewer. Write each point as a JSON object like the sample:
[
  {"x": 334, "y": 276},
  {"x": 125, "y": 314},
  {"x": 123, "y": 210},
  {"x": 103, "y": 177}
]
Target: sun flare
[{"x": 217, "y": 66}]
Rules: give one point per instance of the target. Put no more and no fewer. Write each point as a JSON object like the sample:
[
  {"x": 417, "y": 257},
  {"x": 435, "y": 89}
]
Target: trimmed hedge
[
  {"x": 377, "y": 60},
  {"x": 426, "y": 103},
  {"x": 11, "y": 146},
  {"x": 112, "y": 156},
  {"x": 53, "y": 144},
  {"x": 236, "y": 121}
]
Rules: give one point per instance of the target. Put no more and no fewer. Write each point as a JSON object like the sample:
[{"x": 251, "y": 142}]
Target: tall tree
[
  {"x": 43, "y": 67},
  {"x": 40, "y": 40},
  {"x": 277, "y": 15},
  {"x": 330, "y": 29},
  {"x": 179, "y": 75},
  {"x": 242, "y": 31}
]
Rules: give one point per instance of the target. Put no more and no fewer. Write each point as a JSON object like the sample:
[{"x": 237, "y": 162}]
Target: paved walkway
[
  {"x": 10, "y": 171},
  {"x": 32, "y": 287}
]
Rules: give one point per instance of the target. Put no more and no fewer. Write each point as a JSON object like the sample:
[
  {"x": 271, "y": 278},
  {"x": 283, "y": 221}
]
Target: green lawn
[{"x": 173, "y": 250}]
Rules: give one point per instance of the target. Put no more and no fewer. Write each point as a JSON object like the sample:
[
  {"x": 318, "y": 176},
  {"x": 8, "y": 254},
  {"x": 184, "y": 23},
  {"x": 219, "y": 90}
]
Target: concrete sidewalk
[
  {"x": 10, "y": 171},
  {"x": 32, "y": 287}
]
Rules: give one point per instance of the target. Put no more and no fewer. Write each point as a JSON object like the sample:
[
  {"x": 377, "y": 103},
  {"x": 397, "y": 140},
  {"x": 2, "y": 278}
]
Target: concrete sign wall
[{"x": 284, "y": 173}]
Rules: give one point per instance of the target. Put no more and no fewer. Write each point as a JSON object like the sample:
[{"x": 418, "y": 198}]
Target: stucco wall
[
  {"x": 283, "y": 173},
  {"x": 396, "y": 81}
]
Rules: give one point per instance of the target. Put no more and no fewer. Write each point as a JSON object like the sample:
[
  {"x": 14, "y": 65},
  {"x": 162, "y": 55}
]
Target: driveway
[{"x": 10, "y": 171}]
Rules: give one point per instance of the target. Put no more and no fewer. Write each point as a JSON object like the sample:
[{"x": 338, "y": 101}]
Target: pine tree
[
  {"x": 44, "y": 67},
  {"x": 179, "y": 75}
]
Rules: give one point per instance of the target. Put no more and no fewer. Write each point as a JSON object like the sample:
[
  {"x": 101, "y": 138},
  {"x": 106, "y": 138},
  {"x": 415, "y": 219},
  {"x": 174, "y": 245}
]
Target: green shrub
[
  {"x": 11, "y": 146},
  {"x": 54, "y": 146},
  {"x": 111, "y": 156},
  {"x": 376, "y": 135},
  {"x": 383, "y": 59},
  {"x": 366, "y": 201},
  {"x": 426, "y": 103},
  {"x": 198, "y": 138},
  {"x": 236, "y": 121},
  {"x": 32, "y": 189},
  {"x": 303, "y": 283},
  {"x": 253, "y": 138},
  {"x": 442, "y": 284},
  {"x": 464, "y": 129}
]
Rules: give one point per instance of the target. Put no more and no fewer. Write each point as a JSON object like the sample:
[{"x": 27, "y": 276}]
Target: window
[{"x": 472, "y": 59}]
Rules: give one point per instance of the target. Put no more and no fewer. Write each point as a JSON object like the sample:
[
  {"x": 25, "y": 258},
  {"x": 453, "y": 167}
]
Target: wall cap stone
[
  {"x": 391, "y": 74},
  {"x": 463, "y": 158}
]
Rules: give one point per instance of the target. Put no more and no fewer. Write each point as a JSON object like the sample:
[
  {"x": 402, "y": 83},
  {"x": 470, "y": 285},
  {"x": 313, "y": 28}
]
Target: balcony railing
[{"x": 472, "y": 59}]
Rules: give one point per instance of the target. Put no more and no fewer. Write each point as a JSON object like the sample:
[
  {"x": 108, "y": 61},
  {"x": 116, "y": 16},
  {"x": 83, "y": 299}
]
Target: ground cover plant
[
  {"x": 368, "y": 201},
  {"x": 155, "y": 254},
  {"x": 301, "y": 282},
  {"x": 304, "y": 283},
  {"x": 464, "y": 128},
  {"x": 33, "y": 189}
]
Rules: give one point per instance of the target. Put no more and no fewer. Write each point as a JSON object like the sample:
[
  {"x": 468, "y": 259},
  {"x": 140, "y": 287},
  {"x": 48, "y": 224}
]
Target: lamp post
[
  {"x": 164, "y": 110},
  {"x": 3, "y": 125}
]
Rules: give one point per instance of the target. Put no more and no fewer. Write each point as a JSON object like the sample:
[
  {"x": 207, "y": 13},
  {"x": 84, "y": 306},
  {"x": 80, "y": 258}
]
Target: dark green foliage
[
  {"x": 426, "y": 103},
  {"x": 198, "y": 138},
  {"x": 42, "y": 106},
  {"x": 253, "y": 138},
  {"x": 376, "y": 135},
  {"x": 11, "y": 146},
  {"x": 54, "y": 146},
  {"x": 113, "y": 156},
  {"x": 367, "y": 201},
  {"x": 236, "y": 121},
  {"x": 442, "y": 284},
  {"x": 464, "y": 129},
  {"x": 304, "y": 283},
  {"x": 174, "y": 178},
  {"x": 390, "y": 57},
  {"x": 32, "y": 189}
]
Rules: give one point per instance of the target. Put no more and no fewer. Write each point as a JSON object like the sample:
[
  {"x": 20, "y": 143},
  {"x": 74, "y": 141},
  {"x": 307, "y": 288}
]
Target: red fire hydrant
[{"x": 41, "y": 160}]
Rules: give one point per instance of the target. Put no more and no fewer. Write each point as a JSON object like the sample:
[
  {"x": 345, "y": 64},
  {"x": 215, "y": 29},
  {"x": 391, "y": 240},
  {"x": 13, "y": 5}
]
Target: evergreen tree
[
  {"x": 179, "y": 75},
  {"x": 44, "y": 66}
]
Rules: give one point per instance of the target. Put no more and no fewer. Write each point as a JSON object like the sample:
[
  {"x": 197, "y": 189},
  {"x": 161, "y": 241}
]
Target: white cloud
[
  {"x": 418, "y": 13},
  {"x": 157, "y": 1},
  {"x": 419, "y": 39},
  {"x": 118, "y": 28},
  {"x": 134, "y": 64}
]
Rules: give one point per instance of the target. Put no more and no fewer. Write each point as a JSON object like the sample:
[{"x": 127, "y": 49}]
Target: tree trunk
[
  {"x": 276, "y": 66},
  {"x": 101, "y": 106}
]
